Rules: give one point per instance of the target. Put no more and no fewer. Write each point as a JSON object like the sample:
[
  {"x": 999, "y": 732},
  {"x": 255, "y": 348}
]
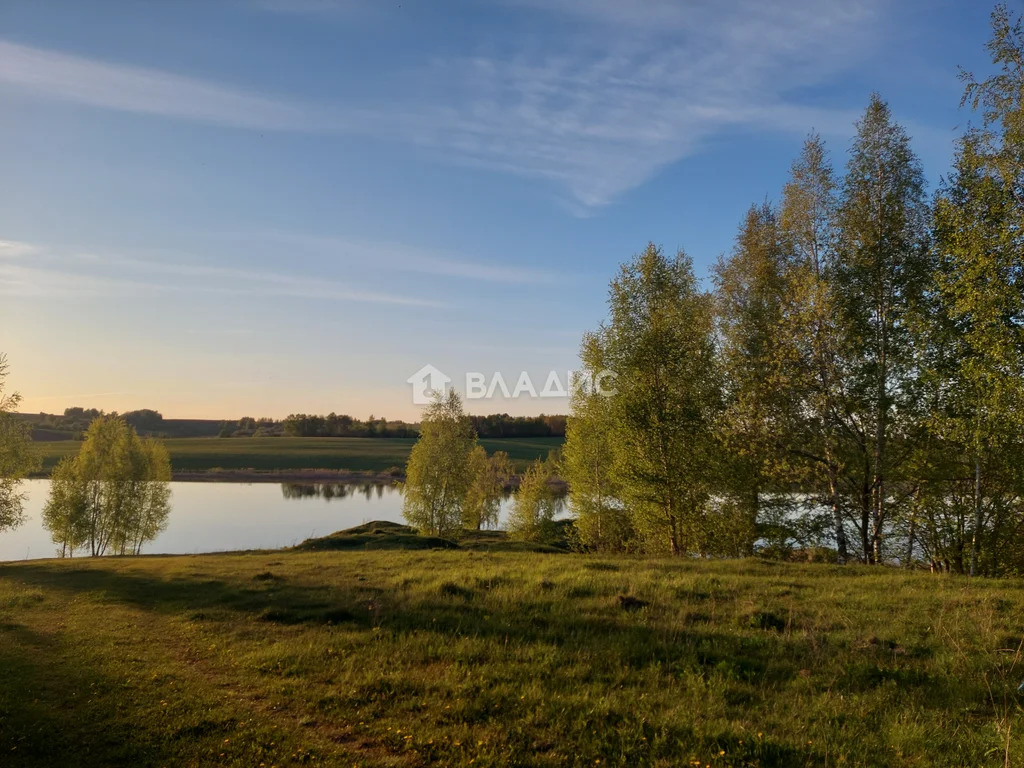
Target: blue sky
[{"x": 257, "y": 207}]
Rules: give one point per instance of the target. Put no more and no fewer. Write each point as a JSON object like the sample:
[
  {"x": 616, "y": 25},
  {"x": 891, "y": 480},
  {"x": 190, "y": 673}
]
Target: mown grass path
[{"x": 459, "y": 658}]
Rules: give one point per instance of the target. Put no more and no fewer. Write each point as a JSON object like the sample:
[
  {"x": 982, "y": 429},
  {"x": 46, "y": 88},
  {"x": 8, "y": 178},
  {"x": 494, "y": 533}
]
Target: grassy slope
[
  {"x": 453, "y": 657},
  {"x": 270, "y": 453}
]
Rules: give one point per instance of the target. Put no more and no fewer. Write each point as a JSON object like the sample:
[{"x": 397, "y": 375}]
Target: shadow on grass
[
  {"x": 746, "y": 664},
  {"x": 49, "y": 713},
  {"x": 268, "y": 598}
]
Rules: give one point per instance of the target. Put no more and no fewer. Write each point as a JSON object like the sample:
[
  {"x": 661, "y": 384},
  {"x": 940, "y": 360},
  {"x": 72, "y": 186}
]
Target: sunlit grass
[{"x": 459, "y": 658}]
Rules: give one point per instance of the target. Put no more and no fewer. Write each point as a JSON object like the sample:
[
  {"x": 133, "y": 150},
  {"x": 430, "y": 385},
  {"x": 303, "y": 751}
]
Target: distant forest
[{"x": 72, "y": 424}]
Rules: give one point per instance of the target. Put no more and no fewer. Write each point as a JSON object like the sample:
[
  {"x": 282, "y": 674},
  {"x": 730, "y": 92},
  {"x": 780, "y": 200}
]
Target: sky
[{"x": 259, "y": 207}]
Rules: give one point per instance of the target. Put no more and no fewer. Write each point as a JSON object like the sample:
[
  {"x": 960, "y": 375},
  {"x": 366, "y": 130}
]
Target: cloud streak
[
  {"x": 405, "y": 258},
  {"x": 54, "y": 275},
  {"x": 620, "y": 100},
  {"x": 605, "y": 95},
  {"x": 14, "y": 249},
  {"x": 142, "y": 90}
]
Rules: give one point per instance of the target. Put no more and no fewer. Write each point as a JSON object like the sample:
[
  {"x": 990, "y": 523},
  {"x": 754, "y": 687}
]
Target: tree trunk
[
  {"x": 865, "y": 520},
  {"x": 976, "y": 538},
  {"x": 878, "y": 481},
  {"x": 837, "y": 515},
  {"x": 910, "y": 543}
]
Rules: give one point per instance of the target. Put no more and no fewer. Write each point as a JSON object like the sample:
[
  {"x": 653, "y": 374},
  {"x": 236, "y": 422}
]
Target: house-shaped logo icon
[{"x": 427, "y": 382}]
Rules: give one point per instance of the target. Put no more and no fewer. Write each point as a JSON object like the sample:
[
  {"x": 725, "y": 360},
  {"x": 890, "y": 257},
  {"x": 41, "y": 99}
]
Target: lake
[{"x": 212, "y": 517}]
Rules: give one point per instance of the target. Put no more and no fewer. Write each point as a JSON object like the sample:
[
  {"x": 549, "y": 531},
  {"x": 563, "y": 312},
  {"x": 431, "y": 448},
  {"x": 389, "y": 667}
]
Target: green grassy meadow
[
  {"x": 458, "y": 658},
  {"x": 356, "y": 454}
]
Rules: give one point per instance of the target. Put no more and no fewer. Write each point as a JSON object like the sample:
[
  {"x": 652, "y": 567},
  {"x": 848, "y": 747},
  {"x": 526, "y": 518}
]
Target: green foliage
[
  {"x": 112, "y": 497},
  {"x": 491, "y": 475},
  {"x": 17, "y": 458},
  {"x": 535, "y": 504},
  {"x": 1000, "y": 97},
  {"x": 752, "y": 293},
  {"x": 819, "y": 435},
  {"x": 439, "y": 472},
  {"x": 588, "y": 466},
  {"x": 66, "y": 514},
  {"x": 968, "y": 507},
  {"x": 882, "y": 270},
  {"x": 660, "y": 344}
]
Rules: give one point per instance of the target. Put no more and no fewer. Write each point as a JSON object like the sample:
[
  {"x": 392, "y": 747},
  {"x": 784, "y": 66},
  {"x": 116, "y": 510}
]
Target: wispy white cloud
[
  {"x": 643, "y": 85},
  {"x": 58, "y": 275},
  {"x": 140, "y": 89},
  {"x": 624, "y": 88},
  {"x": 14, "y": 249},
  {"x": 404, "y": 257},
  {"x": 18, "y": 280},
  {"x": 600, "y": 98}
]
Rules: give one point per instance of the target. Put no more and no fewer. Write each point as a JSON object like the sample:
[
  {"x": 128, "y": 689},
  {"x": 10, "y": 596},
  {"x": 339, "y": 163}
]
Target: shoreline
[
  {"x": 301, "y": 476},
  {"x": 284, "y": 476}
]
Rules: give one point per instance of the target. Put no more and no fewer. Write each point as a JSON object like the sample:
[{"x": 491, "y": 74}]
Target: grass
[
  {"x": 457, "y": 658},
  {"x": 382, "y": 534},
  {"x": 357, "y": 454}
]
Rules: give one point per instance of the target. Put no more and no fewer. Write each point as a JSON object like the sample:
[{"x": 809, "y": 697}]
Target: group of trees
[
  {"x": 113, "y": 496},
  {"x": 452, "y": 484},
  {"x": 341, "y": 425},
  {"x": 503, "y": 425},
  {"x": 856, "y": 376},
  {"x": 73, "y": 423}
]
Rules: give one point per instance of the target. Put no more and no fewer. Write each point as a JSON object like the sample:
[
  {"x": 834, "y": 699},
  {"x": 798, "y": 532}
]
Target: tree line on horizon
[
  {"x": 494, "y": 425},
  {"x": 74, "y": 422}
]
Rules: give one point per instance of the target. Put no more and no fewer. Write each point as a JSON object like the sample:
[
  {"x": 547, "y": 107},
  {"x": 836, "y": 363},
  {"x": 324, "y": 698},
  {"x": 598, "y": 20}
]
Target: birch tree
[
  {"x": 882, "y": 268},
  {"x": 535, "y": 504},
  {"x": 751, "y": 291},
  {"x": 489, "y": 477},
  {"x": 589, "y": 460},
  {"x": 980, "y": 291},
  {"x": 113, "y": 496},
  {"x": 660, "y": 342},
  {"x": 438, "y": 474},
  {"x": 823, "y": 440}
]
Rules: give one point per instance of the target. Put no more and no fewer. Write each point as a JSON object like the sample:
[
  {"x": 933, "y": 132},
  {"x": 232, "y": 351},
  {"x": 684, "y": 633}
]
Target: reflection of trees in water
[
  {"x": 369, "y": 491},
  {"x": 561, "y": 496},
  {"x": 330, "y": 491}
]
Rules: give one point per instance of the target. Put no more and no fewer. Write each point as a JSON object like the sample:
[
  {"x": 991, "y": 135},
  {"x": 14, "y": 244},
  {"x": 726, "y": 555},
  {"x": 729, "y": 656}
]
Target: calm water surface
[{"x": 211, "y": 517}]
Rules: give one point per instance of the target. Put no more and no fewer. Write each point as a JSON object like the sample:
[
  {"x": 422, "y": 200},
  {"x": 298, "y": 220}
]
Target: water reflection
[
  {"x": 329, "y": 491},
  {"x": 376, "y": 490},
  {"x": 214, "y": 517}
]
